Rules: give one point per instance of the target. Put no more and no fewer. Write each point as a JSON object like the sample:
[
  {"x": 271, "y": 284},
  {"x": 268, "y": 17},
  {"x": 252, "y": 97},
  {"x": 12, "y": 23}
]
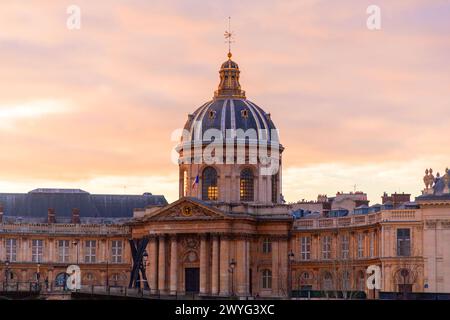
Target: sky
[{"x": 94, "y": 108}]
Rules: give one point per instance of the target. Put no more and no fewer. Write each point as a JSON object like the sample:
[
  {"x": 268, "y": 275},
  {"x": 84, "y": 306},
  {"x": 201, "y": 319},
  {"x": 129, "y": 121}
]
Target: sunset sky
[{"x": 95, "y": 108}]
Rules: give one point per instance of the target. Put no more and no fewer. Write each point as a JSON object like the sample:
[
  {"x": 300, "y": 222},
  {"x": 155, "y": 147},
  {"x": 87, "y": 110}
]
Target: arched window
[
  {"x": 115, "y": 279},
  {"x": 327, "y": 281},
  {"x": 361, "y": 281},
  {"x": 90, "y": 277},
  {"x": 209, "y": 184},
  {"x": 346, "y": 281},
  {"x": 267, "y": 279},
  {"x": 275, "y": 188},
  {"x": 247, "y": 185},
  {"x": 61, "y": 279}
]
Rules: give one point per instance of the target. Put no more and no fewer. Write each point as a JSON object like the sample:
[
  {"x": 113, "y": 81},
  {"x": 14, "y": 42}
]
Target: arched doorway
[
  {"x": 404, "y": 280},
  {"x": 191, "y": 272},
  {"x": 61, "y": 280}
]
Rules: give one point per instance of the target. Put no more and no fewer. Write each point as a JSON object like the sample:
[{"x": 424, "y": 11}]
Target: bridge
[{"x": 41, "y": 291}]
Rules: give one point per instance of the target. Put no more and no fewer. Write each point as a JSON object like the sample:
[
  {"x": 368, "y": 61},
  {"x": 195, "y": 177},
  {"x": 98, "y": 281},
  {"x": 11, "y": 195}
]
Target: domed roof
[
  {"x": 229, "y": 109},
  {"x": 224, "y": 114}
]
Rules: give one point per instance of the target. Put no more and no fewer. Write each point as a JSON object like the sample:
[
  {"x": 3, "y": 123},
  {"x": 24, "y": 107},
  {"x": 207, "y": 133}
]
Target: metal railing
[{"x": 21, "y": 286}]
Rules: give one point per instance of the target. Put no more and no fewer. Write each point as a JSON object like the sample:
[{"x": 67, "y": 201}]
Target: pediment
[{"x": 186, "y": 209}]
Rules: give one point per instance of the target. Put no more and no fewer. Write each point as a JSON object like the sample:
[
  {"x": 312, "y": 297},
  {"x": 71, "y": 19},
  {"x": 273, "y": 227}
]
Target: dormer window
[
  {"x": 212, "y": 114},
  {"x": 244, "y": 114}
]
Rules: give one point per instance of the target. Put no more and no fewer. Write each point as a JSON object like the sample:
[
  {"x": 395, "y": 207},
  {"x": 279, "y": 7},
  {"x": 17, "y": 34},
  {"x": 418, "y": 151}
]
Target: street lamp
[
  {"x": 144, "y": 264},
  {"x": 231, "y": 270},
  {"x": 7, "y": 273},
  {"x": 107, "y": 274},
  {"x": 290, "y": 260},
  {"x": 38, "y": 274}
]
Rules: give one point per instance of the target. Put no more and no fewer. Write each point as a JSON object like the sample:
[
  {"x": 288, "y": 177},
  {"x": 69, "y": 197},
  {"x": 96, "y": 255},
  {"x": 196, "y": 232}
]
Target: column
[
  {"x": 204, "y": 263},
  {"x": 241, "y": 276},
  {"x": 153, "y": 264},
  {"x": 215, "y": 265},
  {"x": 50, "y": 278},
  {"x": 173, "y": 265},
  {"x": 249, "y": 265},
  {"x": 275, "y": 267},
  {"x": 162, "y": 264},
  {"x": 224, "y": 266},
  {"x": 51, "y": 246}
]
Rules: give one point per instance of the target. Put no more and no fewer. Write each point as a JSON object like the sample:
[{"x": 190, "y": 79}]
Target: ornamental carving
[
  {"x": 190, "y": 243},
  {"x": 186, "y": 211},
  {"x": 445, "y": 224},
  {"x": 428, "y": 179},
  {"x": 431, "y": 223},
  {"x": 191, "y": 256}
]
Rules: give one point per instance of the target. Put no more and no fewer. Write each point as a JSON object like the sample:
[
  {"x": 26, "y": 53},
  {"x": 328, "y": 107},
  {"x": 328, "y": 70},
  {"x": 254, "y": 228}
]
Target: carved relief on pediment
[{"x": 187, "y": 210}]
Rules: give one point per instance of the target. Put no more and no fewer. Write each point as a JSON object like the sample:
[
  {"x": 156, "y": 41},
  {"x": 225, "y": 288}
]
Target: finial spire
[{"x": 229, "y": 37}]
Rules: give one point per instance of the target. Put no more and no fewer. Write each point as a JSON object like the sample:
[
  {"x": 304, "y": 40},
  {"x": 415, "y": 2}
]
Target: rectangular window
[
  {"x": 372, "y": 245},
  {"x": 267, "y": 245},
  {"x": 37, "y": 250},
  {"x": 305, "y": 248},
  {"x": 90, "y": 251},
  {"x": 345, "y": 246},
  {"x": 213, "y": 193},
  {"x": 11, "y": 250},
  {"x": 360, "y": 245},
  {"x": 116, "y": 248},
  {"x": 403, "y": 242},
  {"x": 326, "y": 247},
  {"x": 63, "y": 251}
]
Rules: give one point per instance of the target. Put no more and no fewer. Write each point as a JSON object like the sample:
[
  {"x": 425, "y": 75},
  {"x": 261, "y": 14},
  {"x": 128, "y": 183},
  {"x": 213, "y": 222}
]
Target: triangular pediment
[{"x": 186, "y": 209}]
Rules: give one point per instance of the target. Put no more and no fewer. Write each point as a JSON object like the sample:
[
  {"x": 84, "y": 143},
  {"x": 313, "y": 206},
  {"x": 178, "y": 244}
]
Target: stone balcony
[
  {"x": 64, "y": 229},
  {"x": 357, "y": 220}
]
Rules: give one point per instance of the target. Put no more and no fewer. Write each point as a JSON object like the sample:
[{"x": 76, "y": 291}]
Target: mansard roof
[{"x": 35, "y": 204}]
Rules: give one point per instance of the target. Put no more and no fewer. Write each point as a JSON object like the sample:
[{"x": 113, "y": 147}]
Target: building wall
[
  {"x": 49, "y": 265},
  {"x": 436, "y": 237}
]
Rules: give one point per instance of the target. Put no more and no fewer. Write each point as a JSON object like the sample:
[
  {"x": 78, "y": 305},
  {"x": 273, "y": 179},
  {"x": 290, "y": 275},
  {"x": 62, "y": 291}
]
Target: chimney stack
[
  {"x": 1, "y": 213},
  {"x": 51, "y": 216},
  {"x": 76, "y": 216}
]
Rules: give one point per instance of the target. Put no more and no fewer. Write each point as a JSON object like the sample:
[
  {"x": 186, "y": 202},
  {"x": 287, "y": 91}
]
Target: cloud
[
  {"x": 13, "y": 113},
  {"x": 339, "y": 94}
]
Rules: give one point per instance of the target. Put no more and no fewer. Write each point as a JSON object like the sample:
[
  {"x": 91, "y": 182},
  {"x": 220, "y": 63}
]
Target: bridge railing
[{"x": 20, "y": 286}]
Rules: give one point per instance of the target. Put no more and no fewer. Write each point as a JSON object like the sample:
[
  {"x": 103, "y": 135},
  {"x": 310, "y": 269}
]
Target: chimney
[
  {"x": 76, "y": 216},
  {"x": 1, "y": 213},
  {"x": 51, "y": 218}
]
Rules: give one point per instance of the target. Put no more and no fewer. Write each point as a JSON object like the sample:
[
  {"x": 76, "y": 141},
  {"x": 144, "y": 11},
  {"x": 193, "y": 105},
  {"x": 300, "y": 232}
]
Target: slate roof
[
  {"x": 35, "y": 204},
  {"x": 224, "y": 114}
]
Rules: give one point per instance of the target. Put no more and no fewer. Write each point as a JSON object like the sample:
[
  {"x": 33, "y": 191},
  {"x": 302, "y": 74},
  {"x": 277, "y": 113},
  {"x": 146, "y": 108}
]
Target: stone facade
[{"x": 29, "y": 249}]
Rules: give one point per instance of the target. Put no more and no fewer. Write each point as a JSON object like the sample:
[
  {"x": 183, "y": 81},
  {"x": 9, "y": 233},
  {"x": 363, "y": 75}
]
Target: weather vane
[{"x": 229, "y": 37}]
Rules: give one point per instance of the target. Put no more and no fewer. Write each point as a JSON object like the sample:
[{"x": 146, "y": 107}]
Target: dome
[
  {"x": 229, "y": 110},
  {"x": 225, "y": 114}
]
